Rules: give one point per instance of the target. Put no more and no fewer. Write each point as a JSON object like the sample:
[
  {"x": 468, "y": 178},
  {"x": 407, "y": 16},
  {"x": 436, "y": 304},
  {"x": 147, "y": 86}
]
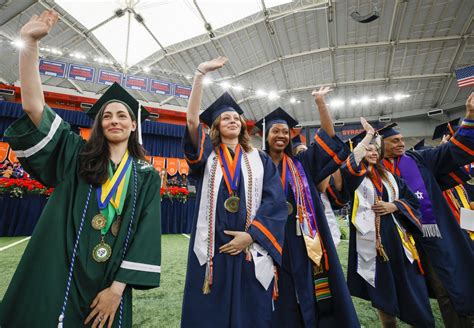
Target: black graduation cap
[
  {"x": 388, "y": 130},
  {"x": 446, "y": 128},
  {"x": 420, "y": 145},
  {"x": 222, "y": 104},
  {"x": 355, "y": 140},
  {"x": 296, "y": 141},
  {"x": 279, "y": 115},
  {"x": 115, "y": 93}
]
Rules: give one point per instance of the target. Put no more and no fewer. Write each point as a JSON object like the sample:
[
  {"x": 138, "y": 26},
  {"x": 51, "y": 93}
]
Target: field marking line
[
  {"x": 187, "y": 236},
  {"x": 14, "y": 244}
]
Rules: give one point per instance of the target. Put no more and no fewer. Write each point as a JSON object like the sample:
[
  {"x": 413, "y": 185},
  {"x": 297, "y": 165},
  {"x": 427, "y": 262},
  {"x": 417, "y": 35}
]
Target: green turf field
[{"x": 161, "y": 307}]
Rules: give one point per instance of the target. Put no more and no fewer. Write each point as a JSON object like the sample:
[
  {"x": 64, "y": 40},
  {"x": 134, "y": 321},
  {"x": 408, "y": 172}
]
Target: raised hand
[
  {"x": 367, "y": 127},
  {"x": 470, "y": 103},
  {"x": 39, "y": 26},
  {"x": 319, "y": 94},
  {"x": 212, "y": 65}
]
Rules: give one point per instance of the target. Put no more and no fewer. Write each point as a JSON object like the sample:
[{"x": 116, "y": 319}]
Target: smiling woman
[{"x": 87, "y": 250}]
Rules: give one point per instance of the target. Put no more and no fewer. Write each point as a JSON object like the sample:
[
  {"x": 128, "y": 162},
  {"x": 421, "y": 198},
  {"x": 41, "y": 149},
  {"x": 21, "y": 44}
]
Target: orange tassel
[
  {"x": 275, "y": 286},
  {"x": 420, "y": 267}
]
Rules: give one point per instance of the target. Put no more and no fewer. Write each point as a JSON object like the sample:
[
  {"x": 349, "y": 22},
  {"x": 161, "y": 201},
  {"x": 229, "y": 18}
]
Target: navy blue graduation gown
[
  {"x": 296, "y": 305},
  {"x": 400, "y": 288},
  {"x": 237, "y": 299},
  {"x": 451, "y": 256}
]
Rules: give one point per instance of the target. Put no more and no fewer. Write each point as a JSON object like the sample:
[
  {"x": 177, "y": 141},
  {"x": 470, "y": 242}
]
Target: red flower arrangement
[
  {"x": 17, "y": 187},
  {"x": 175, "y": 192}
]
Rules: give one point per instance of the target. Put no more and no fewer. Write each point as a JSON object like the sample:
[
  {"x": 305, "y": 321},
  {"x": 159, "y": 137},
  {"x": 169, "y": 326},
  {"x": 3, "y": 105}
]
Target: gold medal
[
  {"x": 290, "y": 208},
  {"x": 102, "y": 251},
  {"x": 98, "y": 222},
  {"x": 116, "y": 226},
  {"x": 231, "y": 204}
]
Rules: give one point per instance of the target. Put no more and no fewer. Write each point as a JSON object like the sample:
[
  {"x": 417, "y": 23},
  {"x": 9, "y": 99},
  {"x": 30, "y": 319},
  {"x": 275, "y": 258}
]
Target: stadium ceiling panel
[{"x": 280, "y": 49}]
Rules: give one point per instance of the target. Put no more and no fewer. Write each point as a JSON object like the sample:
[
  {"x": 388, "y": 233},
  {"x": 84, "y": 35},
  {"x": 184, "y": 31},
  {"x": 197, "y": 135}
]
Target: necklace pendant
[
  {"x": 115, "y": 229},
  {"x": 98, "y": 222},
  {"x": 102, "y": 251}
]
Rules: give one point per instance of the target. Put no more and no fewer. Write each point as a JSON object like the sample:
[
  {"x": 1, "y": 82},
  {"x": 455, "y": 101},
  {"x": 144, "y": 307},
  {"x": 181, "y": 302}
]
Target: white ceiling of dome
[{"x": 170, "y": 21}]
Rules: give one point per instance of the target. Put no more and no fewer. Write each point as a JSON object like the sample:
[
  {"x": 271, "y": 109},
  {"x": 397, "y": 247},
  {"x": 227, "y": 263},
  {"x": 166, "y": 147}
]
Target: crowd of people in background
[{"x": 12, "y": 170}]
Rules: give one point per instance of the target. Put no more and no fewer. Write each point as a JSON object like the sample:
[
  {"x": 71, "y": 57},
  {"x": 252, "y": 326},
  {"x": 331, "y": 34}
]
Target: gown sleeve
[
  {"x": 408, "y": 208},
  {"x": 324, "y": 156},
  {"x": 196, "y": 157},
  {"x": 268, "y": 226},
  {"x": 455, "y": 153},
  {"x": 452, "y": 179},
  {"x": 338, "y": 199},
  {"x": 352, "y": 175},
  {"x": 47, "y": 152},
  {"x": 141, "y": 266}
]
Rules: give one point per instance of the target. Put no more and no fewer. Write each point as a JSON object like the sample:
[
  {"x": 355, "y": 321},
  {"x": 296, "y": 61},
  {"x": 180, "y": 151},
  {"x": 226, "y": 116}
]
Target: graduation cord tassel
[
  {"x": 208, "y": 277},
  {"x": 73, "y": 258},
  {"x": 378, "y": 240},
  {"x": 128, "y": 232},
  {"x": 275, "y": 285},
  {"x": 248, "y": 221}
]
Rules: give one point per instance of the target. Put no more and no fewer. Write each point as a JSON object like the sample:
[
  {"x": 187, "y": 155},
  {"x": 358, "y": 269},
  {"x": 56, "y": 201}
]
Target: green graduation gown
[{"x": 36, "y": 294}]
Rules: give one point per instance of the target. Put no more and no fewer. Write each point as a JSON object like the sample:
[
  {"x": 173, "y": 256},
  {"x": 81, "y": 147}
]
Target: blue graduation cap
[
  {"x": 116, "y": 93},
  {"x": 279, "y": 115},
  {"x": 446, "y": 128},
  {"x": 388, "y": 130},
  {"x": 296, "y": 141},
  {"x": 224, "y": 103},
  {"x": 421, "y": 145}
]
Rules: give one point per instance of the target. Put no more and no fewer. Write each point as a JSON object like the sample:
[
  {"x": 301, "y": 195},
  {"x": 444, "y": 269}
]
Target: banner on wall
[
  {"x": 158, "y": 163},
  {"x": 183, "y": 167},
  {"x": 182, "y": 91},
  {"x": 81, "y": 73},
  {"x": 12, "y": 157},
  {"x": 85, "y": 133},
  {"x": 149, "y": 159},
  {"x": 109, "y": 77},
  {"x": 3, "y": 151},
  {"x": 160, "y": 87},
  {"x": 52, "y": 68},
  {"x": 351, "y": 130},
  {"x": 136, "y": 83},
  {"x": 172, "y": 166}
]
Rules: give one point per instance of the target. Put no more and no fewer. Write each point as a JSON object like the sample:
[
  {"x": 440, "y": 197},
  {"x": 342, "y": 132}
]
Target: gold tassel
[
  {"x": 382, "y": 253},
  {"x": 206, "y": 289}
]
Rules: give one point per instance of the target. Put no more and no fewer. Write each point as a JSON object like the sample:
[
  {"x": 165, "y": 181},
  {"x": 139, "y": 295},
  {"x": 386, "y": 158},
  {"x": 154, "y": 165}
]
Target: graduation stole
[
  {"x": 364, "y": 220},
  {"x": 230, "y": 167},
  {"x": 378, "y": 184},
  {"x": 406, "y": 167},
  {"x": 306, "y": 215},
  {"x": 111, "y": 195}
]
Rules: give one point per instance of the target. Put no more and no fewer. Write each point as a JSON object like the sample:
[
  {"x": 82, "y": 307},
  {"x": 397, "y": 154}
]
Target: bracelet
[{"x": 200, "y": 72}]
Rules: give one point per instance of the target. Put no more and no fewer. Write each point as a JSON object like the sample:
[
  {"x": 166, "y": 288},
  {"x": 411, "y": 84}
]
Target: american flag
[{"x": 465, "y": 76}]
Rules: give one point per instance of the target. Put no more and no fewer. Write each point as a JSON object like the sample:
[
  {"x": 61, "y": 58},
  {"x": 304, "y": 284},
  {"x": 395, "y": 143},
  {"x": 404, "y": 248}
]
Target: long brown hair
[
  {"x": 244, "y": 138},
  {"x": 95, "y": 156},
  {"x": 381, "y": 170}
]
